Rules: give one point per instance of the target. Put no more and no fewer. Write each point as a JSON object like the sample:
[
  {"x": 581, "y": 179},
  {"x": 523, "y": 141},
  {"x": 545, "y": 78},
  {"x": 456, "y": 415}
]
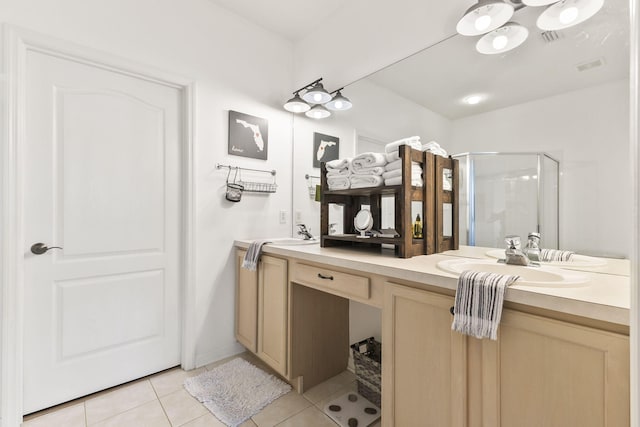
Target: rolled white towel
[
  {"x": 338, "y": 182},
  {"x": 363, "y": 181},
  {"x": 368, "y": 160},
  {"x": 397, "y": 180},
  {"x": 392, "y": 156},
  {"x": 398, "y": 165},
  {"x": 413, "y": 141},
  {"x": 339, "y": 163},
  {"x": 338, "y": 172},
  {"x": 435, "y": 148},
  {"x": 416, "y": 172},
  {"x": 374, "y": 170}
]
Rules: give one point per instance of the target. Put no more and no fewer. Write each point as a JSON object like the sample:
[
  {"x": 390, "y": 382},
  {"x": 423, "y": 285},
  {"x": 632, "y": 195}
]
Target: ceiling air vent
[
  {"x": 590, "y": 64},
  {"x": 550, "y": 36}
]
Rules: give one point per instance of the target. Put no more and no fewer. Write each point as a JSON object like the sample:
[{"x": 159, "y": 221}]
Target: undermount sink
[
  {"x": 292, "y": 241},
  {"x": 576, "y": 260},
  {"x": 542, "y": 276}
]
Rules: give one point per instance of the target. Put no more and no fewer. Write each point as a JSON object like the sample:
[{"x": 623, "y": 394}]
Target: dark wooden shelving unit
[{"x": 431, "y": 195}]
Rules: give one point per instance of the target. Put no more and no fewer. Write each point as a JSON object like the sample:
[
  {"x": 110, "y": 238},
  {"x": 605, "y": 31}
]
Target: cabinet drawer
[{"x": 340, "y": 283}]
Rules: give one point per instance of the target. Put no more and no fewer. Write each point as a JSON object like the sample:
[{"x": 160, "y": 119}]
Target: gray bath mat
[{"x": 236, "y": 390}]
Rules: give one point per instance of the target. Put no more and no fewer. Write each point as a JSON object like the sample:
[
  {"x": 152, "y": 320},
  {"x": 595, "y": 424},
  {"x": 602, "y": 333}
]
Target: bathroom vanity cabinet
[
  {"x": 552, "y": 365},
  {"x": 540, "y": 371}
]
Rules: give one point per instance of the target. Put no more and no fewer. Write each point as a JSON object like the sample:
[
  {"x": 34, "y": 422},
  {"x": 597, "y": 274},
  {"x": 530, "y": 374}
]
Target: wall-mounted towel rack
[
  {"x": 312, "y": 186},
  {"x": 251, "y": 186}
]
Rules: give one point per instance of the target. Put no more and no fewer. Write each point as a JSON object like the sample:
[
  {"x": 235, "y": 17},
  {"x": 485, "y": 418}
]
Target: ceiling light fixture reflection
[
  {"x": 318, "y": 112},
  {"x": 503, "y": 39},
  {"x": 567, "y": 13},
  {"x": 473, "y": 99},
  {"x": 486, "y": 15}
]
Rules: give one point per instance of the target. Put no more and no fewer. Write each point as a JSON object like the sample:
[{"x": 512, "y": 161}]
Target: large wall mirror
[{"x": 564, "y": 94}]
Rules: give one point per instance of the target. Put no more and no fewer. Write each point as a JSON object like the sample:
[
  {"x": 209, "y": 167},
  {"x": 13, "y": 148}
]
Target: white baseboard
[{"x": 218, "y": 354}]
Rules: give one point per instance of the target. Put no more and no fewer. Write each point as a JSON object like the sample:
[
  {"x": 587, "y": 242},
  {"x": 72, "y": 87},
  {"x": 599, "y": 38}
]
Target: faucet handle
[{"x": 512, "y": 241}]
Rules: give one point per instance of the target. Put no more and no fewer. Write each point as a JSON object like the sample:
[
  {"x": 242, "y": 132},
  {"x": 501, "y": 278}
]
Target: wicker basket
[{"x": 367, "y": 357}]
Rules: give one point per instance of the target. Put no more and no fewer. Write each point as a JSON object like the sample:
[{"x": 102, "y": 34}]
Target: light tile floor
[{"x": 160, "y": 400}]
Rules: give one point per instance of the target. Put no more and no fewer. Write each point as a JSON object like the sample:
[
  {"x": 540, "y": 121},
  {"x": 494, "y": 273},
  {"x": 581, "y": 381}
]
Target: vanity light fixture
[
  {"x": 315, "y": 94},
  {"x": 484, "y": 16},
  {"x": 490, "y": 17},
  {"x": 567, "y": 13},
  {"x": 507, "y": 37},
  {"x": 318, "y": 112},
  {"x": 297, "y": 104},
  {"x": 339, "y": 102}
]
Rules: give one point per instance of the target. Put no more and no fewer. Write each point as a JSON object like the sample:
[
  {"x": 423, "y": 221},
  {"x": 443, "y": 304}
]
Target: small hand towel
[
  {"x": 413, "y": 141},
  {"x": 338, "y": 182},
  {"x": 339, "y": 163},
  {"x": 549, "y": 255},
  {"x": 478, "y": 304},
  {"x": 368, "y": 160},
  {"x": 364, "y": 181},
  {"x": 398, "y": 165},
  {"x": 250, "y": 260},
  {"x": 397, "y": 180},
  {"x": 416, "y": 172}
]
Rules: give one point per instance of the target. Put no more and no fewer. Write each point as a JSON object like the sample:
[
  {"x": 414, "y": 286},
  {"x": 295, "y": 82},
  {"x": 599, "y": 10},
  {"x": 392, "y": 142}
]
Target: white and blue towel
[{"x": 478, "y": 305}]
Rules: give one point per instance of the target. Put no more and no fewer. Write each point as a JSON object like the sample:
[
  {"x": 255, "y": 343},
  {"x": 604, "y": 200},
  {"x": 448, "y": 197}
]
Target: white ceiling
[
  {"x": 440, "y": 76},
  {"x": 292, "y": 19}
]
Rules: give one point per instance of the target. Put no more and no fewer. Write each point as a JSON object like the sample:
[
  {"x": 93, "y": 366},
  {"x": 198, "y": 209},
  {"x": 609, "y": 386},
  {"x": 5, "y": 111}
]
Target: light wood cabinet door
[
  {"x": 246, "y": 305},
  {"x": 423, "y": 368},
  {"x": 544, "y": 372},
  {"x": 272, "y": 312}
]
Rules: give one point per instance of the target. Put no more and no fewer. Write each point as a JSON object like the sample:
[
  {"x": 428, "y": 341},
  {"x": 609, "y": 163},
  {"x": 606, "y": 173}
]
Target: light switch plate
[{"x": 283, "y": 217}]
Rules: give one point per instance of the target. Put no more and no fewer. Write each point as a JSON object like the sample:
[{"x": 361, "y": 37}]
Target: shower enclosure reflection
[{"x": 508, "y": 193}]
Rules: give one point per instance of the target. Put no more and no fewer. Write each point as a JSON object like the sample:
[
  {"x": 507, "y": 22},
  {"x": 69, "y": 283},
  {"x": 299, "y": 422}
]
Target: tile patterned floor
[{"x": 160, "y": 400}]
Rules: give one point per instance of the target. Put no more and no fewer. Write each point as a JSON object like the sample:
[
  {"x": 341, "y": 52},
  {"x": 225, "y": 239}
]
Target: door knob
[{"x": 41, "y": 248}]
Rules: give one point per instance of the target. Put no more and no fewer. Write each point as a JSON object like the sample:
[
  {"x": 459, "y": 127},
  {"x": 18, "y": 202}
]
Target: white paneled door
[{"x": 102, "y": 182}]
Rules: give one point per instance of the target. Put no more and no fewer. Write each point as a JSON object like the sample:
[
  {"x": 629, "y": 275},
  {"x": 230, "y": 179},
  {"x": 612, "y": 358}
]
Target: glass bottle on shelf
[{"x": 417, "y": 228}]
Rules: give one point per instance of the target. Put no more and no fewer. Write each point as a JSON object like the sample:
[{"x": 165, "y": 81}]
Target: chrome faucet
[
  {"x": 513, "y": 253},
  {"x": 532, "y": 250},
  {"x": 304, "y": 232}
]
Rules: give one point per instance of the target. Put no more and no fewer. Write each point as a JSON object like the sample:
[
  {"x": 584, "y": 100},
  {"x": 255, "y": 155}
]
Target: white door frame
[{"x": 17, "y": 42}]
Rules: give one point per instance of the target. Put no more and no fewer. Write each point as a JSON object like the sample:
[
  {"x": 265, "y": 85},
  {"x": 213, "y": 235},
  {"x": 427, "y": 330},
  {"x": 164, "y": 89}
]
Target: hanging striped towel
[
  {"x": 549, "y": 255},
  {"x": 478, "y": 305},
  {"x": 250, "y": 260}
]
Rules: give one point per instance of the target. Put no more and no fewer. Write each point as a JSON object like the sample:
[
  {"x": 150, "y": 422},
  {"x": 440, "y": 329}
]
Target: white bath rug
[
  {"x": 236, "y": 390},
  {"x": 352, "y": 410}
]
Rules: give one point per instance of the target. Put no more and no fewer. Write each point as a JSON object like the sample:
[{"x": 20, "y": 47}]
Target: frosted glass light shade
[
  {"x": 505, "y": 38},
  {"x": 484, "y": 16},
  {"x": 339, "y": 103},
  {"x": 567, "y": 13},
  {"x": 317, "y": 95},
  {"x": 538, "y": 2},
  {"x": 296, "y": 105},
  {"x": 318, "y": 112}
]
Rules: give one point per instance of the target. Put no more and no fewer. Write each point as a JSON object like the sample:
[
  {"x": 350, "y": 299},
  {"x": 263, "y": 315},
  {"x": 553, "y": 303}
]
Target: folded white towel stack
[
  {"x": 338, "y": 172},
  {"x": 434, "y": 147},
  {"x": 415, "y": 173},
  {"x": 250, "y": 260},
  {"x": 367, "y": 160},
  {"x": 478, "y": 304},
  {"x": 393, "y": 174},
  {"x": 364, "y": 181},
  {"x": 550, "y": 255},
  {"x": 397, "y": 180},
  {"x": 413, "y": 141},
  {"x": 339, "y": 163},
  {"x": 338, "y": 182}
]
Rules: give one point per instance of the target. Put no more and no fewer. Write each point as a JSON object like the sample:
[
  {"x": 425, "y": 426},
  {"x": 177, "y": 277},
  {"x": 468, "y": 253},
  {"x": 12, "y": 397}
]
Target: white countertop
[{"x": 605, "y": 298}]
